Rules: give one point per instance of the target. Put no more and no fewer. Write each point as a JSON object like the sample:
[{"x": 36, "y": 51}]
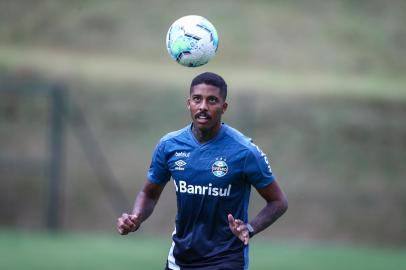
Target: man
[{"x": 213, "y": 167}]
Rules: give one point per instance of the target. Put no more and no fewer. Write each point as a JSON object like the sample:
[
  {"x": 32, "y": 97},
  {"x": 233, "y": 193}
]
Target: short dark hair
[{"x": 211, "y": 78}]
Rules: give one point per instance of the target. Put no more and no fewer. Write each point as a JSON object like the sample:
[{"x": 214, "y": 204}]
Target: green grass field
[{"x": 100, "y": 251}]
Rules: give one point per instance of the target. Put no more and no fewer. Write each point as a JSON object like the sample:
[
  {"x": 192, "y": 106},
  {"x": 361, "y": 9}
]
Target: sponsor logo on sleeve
[{"x": 182, "y": 154}]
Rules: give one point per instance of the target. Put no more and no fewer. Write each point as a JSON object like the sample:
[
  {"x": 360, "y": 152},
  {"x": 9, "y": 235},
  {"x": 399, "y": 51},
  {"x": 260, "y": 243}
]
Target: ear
[
  {"x": 188, "y": 103},
  {"x": 225, "y": 106}
]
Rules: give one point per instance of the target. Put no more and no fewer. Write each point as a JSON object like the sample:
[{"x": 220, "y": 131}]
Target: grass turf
[{"x": 100, "y": 251}]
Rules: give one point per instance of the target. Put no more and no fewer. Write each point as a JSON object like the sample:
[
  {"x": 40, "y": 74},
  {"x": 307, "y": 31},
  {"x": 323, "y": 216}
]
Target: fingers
[
  {"x": 239, "y": 225},
  {"x": 235, "y": 224},
  {"x": 134, "y": 218},
  {"x": 239, "y": 229},
  {"x": 245, "y": 237},
  {"x": 231, "y": 220},
  {"x": 127, "y": 223},
  {"x": 243, "y": 233},
  {"x": 122, "y": 228}
]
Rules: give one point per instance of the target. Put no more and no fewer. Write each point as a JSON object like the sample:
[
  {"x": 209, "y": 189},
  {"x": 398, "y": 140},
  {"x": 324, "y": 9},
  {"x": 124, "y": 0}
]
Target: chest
[{"x": 206, "y": 165}]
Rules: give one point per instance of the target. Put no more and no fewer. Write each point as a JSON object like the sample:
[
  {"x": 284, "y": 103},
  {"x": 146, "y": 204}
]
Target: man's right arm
[{"x": 143, "y": 207}]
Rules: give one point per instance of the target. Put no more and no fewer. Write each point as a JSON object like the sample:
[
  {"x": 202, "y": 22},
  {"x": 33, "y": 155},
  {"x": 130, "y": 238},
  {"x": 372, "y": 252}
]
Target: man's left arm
[{"x": 276, "y": 206}]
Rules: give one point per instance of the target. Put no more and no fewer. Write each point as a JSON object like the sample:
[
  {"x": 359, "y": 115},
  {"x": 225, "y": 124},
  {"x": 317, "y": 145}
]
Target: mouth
[{"x": 202, "y": 117}]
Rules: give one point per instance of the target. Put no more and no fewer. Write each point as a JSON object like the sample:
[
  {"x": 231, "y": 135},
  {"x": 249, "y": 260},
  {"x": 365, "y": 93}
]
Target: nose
[{"x": 203, "y": 105}]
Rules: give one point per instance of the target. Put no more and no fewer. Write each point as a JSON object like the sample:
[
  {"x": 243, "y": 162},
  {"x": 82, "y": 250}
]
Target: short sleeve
[
  {"x": 158, "y": 172},
  {"x": 257, "y": 169}
]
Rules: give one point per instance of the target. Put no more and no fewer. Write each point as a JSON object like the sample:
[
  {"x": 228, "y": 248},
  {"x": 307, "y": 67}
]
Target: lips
[{"x": 202, "y": 117}]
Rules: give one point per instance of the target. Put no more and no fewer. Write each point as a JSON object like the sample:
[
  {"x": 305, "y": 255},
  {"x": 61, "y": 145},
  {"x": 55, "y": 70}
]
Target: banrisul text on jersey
[{"x": 209, "y": 190}]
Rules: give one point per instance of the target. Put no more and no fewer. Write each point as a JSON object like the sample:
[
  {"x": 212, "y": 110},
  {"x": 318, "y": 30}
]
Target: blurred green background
[{"x": 319, "y": 85}]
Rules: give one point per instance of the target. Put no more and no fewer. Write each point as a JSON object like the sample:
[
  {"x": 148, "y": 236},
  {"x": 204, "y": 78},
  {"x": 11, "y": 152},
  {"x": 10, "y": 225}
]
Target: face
[{"x": 206, "y": 107}]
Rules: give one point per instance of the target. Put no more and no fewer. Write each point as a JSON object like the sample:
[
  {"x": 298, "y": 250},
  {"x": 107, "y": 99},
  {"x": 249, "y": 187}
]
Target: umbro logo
[{"x": 180, "y": 165}]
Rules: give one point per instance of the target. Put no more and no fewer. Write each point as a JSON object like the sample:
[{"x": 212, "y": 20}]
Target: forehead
[{"x": 205, "y": 90}]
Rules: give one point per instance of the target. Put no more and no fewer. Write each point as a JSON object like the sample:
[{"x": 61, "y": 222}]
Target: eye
[
  {"x": 196, "y": 98},
  {"x": 213, "y": 100}
]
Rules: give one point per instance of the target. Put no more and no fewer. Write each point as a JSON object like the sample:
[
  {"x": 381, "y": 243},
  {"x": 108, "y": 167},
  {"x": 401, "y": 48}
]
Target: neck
[{"x": 205, "y": 135}]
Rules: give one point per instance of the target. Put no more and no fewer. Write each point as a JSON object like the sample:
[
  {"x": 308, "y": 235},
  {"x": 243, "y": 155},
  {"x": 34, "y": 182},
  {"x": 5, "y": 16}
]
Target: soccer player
[{"x": 213, "y": 167}]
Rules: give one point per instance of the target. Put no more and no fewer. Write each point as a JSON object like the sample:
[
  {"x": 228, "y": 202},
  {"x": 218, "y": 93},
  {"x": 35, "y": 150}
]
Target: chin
[{"x": 203, "y": 127}]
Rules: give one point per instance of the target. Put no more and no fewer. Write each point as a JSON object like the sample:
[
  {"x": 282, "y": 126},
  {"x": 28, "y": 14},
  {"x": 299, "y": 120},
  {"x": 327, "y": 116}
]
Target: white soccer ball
[{"x": 192, "y": 41}]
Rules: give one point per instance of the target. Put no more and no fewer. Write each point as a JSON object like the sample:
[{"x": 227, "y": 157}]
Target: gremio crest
[{"x": 219, "y": 168}]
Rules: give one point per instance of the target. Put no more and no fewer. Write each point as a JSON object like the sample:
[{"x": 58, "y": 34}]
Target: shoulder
[
  {"x": 175, "y": 135},
  {"x": 243, "y": 141},
  {"x": 173, "y": 139},
  {"x": 238, "y": 137}
]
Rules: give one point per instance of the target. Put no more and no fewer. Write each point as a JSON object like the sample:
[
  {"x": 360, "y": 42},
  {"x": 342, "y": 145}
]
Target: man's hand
[
  {"x": 239, "y": 229},
  {"x": 127, "y": 223}
]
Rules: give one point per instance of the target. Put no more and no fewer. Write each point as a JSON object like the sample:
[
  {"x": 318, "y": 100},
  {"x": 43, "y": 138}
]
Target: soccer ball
[{"x": 192, "y": 41}]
